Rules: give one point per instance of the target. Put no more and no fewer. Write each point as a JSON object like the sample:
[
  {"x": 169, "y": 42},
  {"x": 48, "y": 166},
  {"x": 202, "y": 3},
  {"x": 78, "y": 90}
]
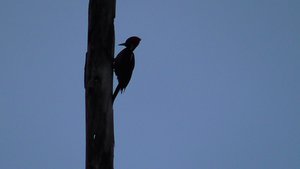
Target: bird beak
[{"x": 122, "y": 44}]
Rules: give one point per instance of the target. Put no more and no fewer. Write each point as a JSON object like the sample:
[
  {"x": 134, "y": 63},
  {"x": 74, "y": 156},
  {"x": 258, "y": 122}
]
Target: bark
[{"x": 98, "y": 82}]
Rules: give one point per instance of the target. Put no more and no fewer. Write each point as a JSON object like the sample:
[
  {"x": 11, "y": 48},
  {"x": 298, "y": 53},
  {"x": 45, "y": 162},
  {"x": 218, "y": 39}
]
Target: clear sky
[{"x": 216, "y": 85}]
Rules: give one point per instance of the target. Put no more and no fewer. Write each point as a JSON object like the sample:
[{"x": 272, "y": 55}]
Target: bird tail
[{"x": 116, "y": 93}]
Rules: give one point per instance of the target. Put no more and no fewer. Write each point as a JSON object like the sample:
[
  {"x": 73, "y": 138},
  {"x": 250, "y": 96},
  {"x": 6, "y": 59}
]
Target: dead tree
[{"x": 98, "y": 82}]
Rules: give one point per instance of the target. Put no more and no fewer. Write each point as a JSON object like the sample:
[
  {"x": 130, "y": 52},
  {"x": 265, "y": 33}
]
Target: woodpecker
[{"x": 123, "y": 64}]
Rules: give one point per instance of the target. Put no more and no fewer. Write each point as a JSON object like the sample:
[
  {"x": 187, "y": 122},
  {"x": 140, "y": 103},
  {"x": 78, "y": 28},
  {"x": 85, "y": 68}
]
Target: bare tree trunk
[{"x": 98, "y": 82}]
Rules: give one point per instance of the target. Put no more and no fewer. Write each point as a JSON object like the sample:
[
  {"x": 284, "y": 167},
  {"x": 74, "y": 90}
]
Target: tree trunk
[{"x": 98, "y": 83}]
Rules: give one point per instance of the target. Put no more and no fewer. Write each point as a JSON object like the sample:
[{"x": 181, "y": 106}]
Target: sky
[{"x": 216, "y": 85}]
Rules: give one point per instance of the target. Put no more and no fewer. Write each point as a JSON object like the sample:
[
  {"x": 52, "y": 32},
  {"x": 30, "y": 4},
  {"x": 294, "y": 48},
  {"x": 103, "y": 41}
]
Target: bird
[{"x": 124, "y": 63}]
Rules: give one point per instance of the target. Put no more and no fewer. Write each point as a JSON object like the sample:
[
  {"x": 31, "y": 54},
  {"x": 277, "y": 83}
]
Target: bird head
[{"x": 131, "y": 42}]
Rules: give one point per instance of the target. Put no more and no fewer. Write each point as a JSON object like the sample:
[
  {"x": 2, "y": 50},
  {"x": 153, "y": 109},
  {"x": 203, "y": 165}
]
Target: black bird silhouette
[{"x": 123, "y": 64}]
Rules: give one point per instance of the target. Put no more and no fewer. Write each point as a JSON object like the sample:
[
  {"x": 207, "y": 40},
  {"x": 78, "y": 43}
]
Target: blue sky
[{"x": 216, "y": 85}]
